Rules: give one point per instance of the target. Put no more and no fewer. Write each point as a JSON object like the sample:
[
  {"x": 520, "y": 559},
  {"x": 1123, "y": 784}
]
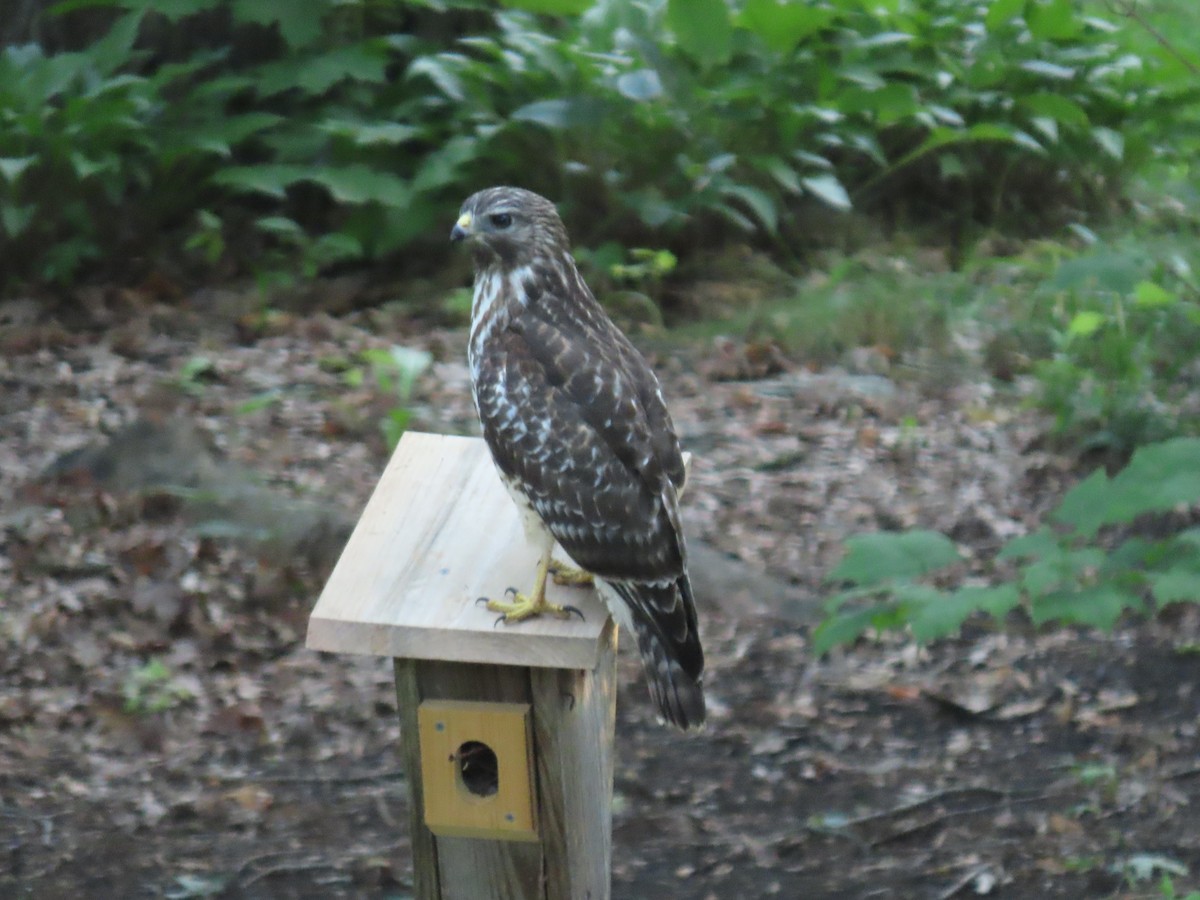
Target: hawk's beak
[{"x": 461, "y": 229}]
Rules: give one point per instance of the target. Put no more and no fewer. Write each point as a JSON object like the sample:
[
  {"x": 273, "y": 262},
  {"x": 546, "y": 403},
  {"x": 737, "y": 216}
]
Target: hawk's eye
[{"x": 500, "y": 220}]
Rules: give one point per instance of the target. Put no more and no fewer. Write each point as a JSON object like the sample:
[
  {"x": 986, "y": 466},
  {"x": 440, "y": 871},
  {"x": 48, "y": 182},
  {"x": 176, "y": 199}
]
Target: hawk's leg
[
  {"x": 525, "y": 606},
  {"x": 565, "y": 573}
]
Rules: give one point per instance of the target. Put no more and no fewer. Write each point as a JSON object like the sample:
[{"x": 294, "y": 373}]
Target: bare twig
[
  {"x": 941, "y": 818},
  {"x": 955, "y": 889},
  {"x": 1129, "y": 9},
  {"x": 929, "y": 800}
]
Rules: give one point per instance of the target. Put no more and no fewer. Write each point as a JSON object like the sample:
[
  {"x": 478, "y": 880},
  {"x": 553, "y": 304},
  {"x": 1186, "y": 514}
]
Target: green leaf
[
  {"x": 1001, "y": 12},
  {"x": 884, "y": 39},
  {"x": 1175, "y": 585},
  {"x": 361, "y": 184},
  {"x": 944, "y": 614},
  {"x": 435, "y": 68},
  {"x": 272, "y": 180},
  {"x": 1053, "y": 20},
  {"x": 12, "y": 167},
  {"x": 829, "y": 190},
  {"x": 15, "y": 219},
  {"x": 759, "y": 202},
  {"x": 1084, "y": 507},
  {"x": 846, "y": 628},
  {"x": 561, "y": 114},
  {"x": 1149, "y": 295},
  {"x": 1057, "y": 107},
  {"x": 1111, "y": 142},
  {"x": 368, "y": 134},
  {"x": 550, "y": 7},
  {"x": 782, "y": 26},
  {"x": 1099, "y": 606},
  {"x": 114, "y": 49},
  {"x": 702, "y": 28},
  {"x": 642, "y": 84},
  {"x": 1085, "y": 323},
  {"x": 883, "y": 556},
  {"x": 1048, "y": 69},
  {"x": 299, "y": 21},
  {"x": 314, "y": 75},
  {"x": 221, "y": 135}
]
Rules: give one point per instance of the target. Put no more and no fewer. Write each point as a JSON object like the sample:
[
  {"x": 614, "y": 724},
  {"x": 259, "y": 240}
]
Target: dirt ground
[{"x": 176, "y": 479}]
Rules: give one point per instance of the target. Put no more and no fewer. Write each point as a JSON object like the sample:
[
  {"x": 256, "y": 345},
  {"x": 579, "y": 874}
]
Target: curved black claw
[
  {"x": 572, "y": 609},
  {"x": 483, "y": 600},
  {"x": 511, "y": 590},
  {"x": 499, "y": 619}
]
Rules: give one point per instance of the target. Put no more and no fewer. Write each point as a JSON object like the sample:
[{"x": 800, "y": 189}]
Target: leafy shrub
[
  {"x": 348, "y": 129},
  {"x": 1078, "y": 569},
  {"x": 1110, "y": 334}
]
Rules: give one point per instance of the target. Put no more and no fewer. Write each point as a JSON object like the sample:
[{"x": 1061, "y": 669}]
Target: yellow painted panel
[{"x": 455, "y": 737}]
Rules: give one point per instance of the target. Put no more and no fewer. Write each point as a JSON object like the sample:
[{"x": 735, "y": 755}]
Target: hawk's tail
[{"x": 664, "y": 622}]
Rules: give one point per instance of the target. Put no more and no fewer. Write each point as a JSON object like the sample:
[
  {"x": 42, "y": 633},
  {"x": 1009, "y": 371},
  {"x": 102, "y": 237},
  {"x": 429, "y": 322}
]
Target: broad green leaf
[
  {"x": 1099, "y": 606},
  {"x": 279, "y": 225},
  {"x": 1053, "y": 20},
  {"x": 884, "y": 39},
  {"x": 550, "y": 7},
  {"x": 1084, "y": 506},
  {"x": 1159, "y": 478},
  {"x": 783, "y": 174},
  {"x": 944, "y": 613},
  {"x": 1175, "y": 585},
  {"x": 782, "y": 26},
  {"x": 272, "y": 180},
  {"x": 759, "y": 202},
  {"x": 702, "y": 28},
  {"x": 221, "y": 135},
  {"x": 15, "y": 219},
  {"x": 12, "y": 167},
  {"x": 114, "y": 49},
  {"x": 1111, "y": 142},
  {"x": 435, "y": 68},
  {"x": 845, "y": 628},
  {"x": 564, "y": 113},
  {"x": 828, "y": 189},
  {"x": 1086, "y": 322},
  {"x": 643, "y": 84},
  {"x": 362, "y": 184},
  {"x": 1001, "y": 12},
  {"x": 1149, "y": 295},
  {"x": 367, "y": 134},
  {"x": 883, "y": 556},
  {"x": 1048, "y": 69},
  {"x": 1057, "y": 107},
  {"x": 299, "y": 21}
]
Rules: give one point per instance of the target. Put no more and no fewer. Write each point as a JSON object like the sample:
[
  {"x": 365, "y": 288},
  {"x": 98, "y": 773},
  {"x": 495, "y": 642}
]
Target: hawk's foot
[
  {"x": 523, "y": 607},
  {"x": 565, "y": 573}
]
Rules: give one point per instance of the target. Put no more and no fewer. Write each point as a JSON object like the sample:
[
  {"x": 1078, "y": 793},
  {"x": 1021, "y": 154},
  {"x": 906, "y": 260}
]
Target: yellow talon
[
  {"x": 526, "y": 606},
  {"x": 567, "y": 574}
]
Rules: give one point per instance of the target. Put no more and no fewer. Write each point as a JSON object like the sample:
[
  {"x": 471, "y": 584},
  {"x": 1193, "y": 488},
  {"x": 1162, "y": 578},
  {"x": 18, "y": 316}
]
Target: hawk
[{"x": 579, "y": 431}]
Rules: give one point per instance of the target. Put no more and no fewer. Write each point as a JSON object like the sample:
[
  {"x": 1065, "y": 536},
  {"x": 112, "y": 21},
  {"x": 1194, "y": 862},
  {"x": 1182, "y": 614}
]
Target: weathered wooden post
[{"x": 507, "y": 732}]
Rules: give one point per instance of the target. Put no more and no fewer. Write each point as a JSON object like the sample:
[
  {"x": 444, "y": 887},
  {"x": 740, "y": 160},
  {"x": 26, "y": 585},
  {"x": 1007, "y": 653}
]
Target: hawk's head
[{"x": 509, "y": 227}]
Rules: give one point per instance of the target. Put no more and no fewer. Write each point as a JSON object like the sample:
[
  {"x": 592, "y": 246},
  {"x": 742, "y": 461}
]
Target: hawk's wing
[{"x": 588, "y": 440}]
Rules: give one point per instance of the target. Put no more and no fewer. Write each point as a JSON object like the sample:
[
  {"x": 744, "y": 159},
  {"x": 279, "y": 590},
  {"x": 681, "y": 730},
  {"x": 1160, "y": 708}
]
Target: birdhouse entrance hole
[{"x": 478, "y": 768}]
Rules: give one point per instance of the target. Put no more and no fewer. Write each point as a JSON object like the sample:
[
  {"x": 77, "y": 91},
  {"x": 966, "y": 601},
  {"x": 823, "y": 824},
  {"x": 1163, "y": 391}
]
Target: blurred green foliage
[
  {"x": 308, "y": 134},
  {"x": 1085, "y": 566}
]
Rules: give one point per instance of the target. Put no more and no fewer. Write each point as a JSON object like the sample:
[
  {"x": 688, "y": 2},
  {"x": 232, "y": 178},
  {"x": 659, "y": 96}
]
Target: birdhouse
[{"x": 506, "y": 730}]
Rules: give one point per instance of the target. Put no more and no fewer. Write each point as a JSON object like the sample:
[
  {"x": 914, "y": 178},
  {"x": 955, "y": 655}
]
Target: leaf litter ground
[{"x": 176, "y": 482}]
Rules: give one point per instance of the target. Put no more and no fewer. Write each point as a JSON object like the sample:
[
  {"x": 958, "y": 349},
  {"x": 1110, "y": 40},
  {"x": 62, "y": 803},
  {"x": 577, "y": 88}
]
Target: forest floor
[{"x": 177, "y": 476}]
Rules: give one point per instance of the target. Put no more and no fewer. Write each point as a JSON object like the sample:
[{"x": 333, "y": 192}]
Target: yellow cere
[{"x": 464, "y": 221}]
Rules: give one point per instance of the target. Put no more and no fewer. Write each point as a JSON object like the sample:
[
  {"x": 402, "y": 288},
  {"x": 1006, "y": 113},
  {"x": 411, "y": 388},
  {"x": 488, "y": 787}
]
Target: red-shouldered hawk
[{"x": 577, "y": 425}]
